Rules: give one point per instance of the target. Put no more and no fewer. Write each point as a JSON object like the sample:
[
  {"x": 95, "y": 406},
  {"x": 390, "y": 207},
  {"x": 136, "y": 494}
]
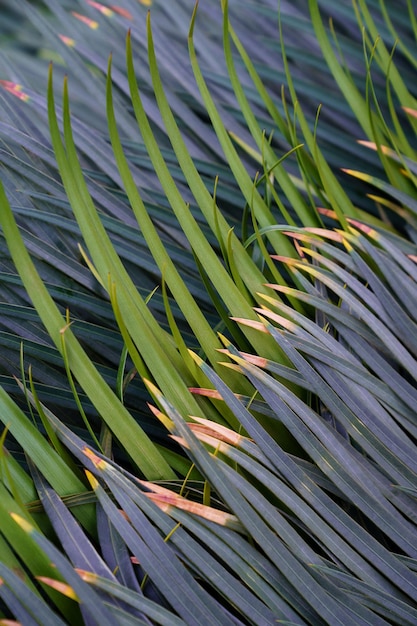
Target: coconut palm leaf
[
  {"x": 150, "y": 482},
  {"x": 319, "y": 508}
]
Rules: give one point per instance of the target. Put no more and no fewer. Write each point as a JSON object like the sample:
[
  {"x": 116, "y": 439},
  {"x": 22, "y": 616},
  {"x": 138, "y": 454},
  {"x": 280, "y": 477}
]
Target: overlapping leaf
[{"x": 304, "y": 512}]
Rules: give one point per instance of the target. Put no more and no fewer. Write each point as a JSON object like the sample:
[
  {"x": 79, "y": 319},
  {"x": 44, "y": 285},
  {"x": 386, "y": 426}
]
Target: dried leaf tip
[{"x": 15, "y": 89}]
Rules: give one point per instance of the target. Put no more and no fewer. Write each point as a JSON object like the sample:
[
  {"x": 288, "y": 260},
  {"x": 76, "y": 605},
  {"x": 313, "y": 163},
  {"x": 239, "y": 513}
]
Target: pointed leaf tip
[
  {"x": 92, "y": 480},
  {"x": 23, "y": 523},
  {"x": 152, "y": 388},
  {"x": 356, "y": 174},
  {"x": 68, "y": 41},
  {"x": 86, "y": 20},
  {"x": 410, "y": 111},
  {"x": 15, "y": 89},
  {"x": 192, "y": 22},
  {"x": 100, "y": 7},
  {"x": 96, "y": 460},
  {"x": 198, "y": 360},
  {"x": 63, "y": 588}
]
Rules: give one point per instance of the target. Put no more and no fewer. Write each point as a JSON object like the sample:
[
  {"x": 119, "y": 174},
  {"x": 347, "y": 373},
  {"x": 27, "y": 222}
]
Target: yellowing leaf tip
[
  {"x": 96, "y": 460},
  {"x": 61, "y": 587},
  {"x": 86, "y": 20},
  {"x": 22, "y": 522}
]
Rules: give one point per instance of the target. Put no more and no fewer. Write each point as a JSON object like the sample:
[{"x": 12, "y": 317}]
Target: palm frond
[{"x": 238, "y": 447}]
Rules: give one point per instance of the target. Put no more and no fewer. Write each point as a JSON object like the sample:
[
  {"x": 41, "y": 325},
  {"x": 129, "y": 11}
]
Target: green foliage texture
[{"x": 208, "y": 296}]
